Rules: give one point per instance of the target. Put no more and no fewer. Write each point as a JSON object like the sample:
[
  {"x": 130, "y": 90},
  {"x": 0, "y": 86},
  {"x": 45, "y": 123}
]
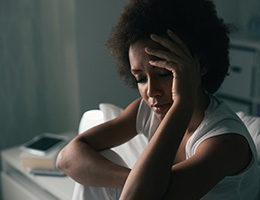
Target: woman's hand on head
[{"x": 178, "y": 60}]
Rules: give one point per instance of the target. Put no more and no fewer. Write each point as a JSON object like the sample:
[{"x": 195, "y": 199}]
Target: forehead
[
  {"x": 145, "y": 42},
  {"x": 137, "y": 55}
]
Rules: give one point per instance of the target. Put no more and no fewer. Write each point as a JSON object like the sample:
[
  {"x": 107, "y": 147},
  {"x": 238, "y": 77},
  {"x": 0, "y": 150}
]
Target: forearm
[
  {"x": 88, "y": 167},
  {"x": 150, "y": 176}
]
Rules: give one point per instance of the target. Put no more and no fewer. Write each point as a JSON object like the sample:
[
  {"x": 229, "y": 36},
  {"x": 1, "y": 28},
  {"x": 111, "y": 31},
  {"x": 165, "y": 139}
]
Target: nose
[{"x": 153, "y": 88}]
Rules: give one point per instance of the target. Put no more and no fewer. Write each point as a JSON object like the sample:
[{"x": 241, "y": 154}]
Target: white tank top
[{"x": 219, "y": 119}]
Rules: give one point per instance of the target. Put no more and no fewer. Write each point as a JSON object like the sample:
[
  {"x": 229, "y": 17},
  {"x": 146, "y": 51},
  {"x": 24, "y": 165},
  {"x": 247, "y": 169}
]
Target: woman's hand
[{"x": 178, "y": 60}]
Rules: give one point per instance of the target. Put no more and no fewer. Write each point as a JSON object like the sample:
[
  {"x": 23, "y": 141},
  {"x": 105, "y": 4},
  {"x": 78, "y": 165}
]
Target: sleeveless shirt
[{"x": 218, "y": 119}]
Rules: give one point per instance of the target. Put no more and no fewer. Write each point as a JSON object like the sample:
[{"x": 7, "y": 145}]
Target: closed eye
[
  {"x": 139, "y": 76},
  {"x": 165, "y": 74},
  {"x": 142, "y": 80}
]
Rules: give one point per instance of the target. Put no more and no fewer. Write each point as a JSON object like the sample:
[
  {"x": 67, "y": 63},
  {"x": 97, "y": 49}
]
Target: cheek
[
  {"x": 167, "y": 85},
  {"x": 142, "y": 90}
]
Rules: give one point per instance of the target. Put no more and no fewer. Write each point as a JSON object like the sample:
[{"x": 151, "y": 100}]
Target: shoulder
[
  {"x": 224, "y": 140},
  {"x": 127, "y": 119},
  {"x": 215, "y": 158},
  {"x": 131, "y": 110},
  {"x": 219, "y": 120},
  {"x": 226, "y": 154}
]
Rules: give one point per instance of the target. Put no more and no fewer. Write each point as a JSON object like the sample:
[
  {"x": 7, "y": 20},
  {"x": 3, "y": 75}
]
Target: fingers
[
  {"x": 169, "y": 65},
  {"x": 171, "y": 45},
  {"x": 174, "y": 44},
  {"x": 165, "y": 55},
  {"x": 168, "y": 61},
  {"x": 178, "y": 52},
  {"x": 180, "y": 43}
]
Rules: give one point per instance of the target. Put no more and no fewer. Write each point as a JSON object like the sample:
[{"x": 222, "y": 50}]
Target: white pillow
[
  {"x": 253, "y": 125},
  {"x": 131, "y": 150},
  {"x": 95, "y": 117},
  {"x": 110, "y": 111},
  {"x": 90, "y": 119}
]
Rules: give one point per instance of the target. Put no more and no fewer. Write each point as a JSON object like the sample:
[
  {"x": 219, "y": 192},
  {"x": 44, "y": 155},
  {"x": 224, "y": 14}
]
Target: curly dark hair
[{"x": 194, "y": 21}]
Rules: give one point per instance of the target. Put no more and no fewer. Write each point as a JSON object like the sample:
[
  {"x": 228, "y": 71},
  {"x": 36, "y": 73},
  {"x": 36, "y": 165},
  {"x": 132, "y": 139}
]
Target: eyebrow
[
  {"x": 135, "y": 70},
  {"x": 139, "y": 70}
]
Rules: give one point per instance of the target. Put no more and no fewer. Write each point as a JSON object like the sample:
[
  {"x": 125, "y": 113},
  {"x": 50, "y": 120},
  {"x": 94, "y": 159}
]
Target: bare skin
[{"x": 169, "y": 81}]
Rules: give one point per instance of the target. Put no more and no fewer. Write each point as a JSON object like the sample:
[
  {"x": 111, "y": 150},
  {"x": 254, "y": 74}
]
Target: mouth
[{"x": 161, "y": 108}]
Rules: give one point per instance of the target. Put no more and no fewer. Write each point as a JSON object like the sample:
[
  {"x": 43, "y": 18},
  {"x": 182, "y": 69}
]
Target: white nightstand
[{"x": 17, "y": 183}]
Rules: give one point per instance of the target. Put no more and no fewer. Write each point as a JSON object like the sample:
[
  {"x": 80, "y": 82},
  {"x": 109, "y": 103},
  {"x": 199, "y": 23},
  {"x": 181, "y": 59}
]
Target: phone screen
[{"x": 44, "y": 143}]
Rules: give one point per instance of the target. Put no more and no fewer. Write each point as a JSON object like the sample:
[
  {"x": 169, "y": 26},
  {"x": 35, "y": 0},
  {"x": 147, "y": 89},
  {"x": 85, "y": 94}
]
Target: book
[
  {"x": 47, "y": 161},
  {"x": 32, "y": 159}
]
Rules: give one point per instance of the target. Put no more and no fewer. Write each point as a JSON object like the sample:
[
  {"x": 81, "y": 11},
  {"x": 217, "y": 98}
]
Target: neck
[{"x": 198, "y": 113}]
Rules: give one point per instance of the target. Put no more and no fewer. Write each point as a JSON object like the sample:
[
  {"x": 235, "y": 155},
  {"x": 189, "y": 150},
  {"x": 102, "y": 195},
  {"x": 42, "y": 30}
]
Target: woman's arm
[
  {"x": 150, "y": 176},
  {"x": 80, "y": 158},
  {"x": 215, "y": 158}
]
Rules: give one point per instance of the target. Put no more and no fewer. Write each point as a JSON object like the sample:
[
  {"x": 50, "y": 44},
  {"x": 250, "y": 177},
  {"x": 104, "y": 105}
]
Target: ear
[
  {"x": 203, "y": 66},
  {"x": 203, "y": 70}
]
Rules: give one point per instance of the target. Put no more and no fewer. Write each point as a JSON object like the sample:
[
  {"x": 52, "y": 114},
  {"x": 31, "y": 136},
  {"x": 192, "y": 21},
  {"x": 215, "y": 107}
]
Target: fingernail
[
  {"x": 169, "y": 31},
  {"x": 146, "y": 49},
  {"x": 154, "y": 36}
]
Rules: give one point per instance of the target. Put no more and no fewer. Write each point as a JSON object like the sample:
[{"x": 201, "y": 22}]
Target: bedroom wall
[
  {"x": 99, "y": 81},
  {"x": 224, "y": 7},
  {"x": 238, "y": 12},
  {"x": 247, "y": 10}
]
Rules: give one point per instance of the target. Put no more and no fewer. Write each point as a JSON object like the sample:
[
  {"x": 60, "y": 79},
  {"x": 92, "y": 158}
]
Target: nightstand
[{"x": 18, "y": 183}]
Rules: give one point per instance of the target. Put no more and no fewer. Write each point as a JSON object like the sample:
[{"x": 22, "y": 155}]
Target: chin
[{"x": 160, "y": 116}]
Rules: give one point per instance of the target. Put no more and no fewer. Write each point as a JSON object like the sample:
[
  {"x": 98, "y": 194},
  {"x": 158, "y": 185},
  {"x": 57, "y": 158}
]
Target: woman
[{"x": 176, "y": 53}]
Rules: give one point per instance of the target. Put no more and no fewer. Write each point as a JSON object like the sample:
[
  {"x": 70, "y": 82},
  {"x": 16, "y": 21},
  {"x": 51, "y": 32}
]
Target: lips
[{"x": 161, "y": 108}]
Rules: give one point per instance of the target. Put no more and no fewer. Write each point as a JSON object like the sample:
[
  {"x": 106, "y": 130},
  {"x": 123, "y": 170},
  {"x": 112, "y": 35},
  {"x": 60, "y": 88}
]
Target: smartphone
[{"x": 42, "y": 144}]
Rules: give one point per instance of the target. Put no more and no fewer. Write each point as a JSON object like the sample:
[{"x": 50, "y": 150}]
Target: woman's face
[{"x": 154, "y": 84}]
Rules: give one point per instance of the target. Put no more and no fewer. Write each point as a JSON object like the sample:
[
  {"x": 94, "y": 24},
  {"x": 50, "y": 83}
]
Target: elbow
[
  {"x": 67, "y": 158},
  {"x": 61, "y": 163}
]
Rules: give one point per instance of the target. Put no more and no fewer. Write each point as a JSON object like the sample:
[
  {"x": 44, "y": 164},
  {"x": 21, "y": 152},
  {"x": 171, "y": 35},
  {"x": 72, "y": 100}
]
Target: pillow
[
  {"x": 95, "y": 117},
  {"x": 90, "y": 119},
  {"x": 110, "y": 111},
  {"x": 253, "y": 125},
  {"x": 131, "y": 150}
]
